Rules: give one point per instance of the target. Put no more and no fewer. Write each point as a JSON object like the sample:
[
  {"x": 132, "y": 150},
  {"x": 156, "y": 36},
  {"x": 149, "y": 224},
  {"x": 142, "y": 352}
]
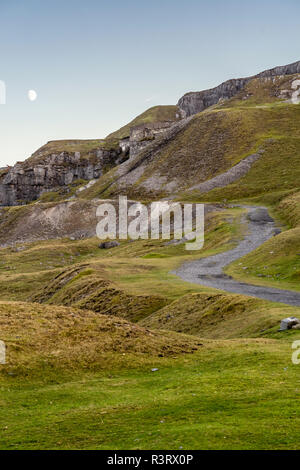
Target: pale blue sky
[{"x": 97, "y": 64}]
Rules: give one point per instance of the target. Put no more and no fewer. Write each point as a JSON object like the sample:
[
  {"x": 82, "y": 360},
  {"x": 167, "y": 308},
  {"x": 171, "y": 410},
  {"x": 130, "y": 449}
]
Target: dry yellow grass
[{"x": 42, "y": 337}]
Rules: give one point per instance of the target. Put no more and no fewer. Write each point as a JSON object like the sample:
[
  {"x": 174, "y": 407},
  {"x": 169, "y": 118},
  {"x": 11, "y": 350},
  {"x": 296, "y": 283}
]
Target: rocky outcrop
[
  {"x": 26, "y": 181},
  {"x": 44, "y": 171},
  {"x": 195, "y": 102},
  {"x": 131, "y": 170},
  {"x": 144, "y": 134}
]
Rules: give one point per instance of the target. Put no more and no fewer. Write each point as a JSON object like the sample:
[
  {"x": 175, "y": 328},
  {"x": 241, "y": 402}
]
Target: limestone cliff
[
  {"x": 195, "y": 102},
  {"x": 164, "y": 150},
  {"x": 25, "y": 182}
]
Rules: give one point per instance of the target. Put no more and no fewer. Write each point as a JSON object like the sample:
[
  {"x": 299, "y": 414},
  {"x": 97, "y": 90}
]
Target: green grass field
[{"x": 229, "y": 395}]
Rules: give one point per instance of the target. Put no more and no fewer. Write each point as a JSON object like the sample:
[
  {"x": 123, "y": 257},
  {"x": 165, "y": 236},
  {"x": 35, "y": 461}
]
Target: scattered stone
[
  {"x": 296, "y": 327},
  {"x": 288, "y": 323},
  {"x": 154, "y": 370},
  {"x": 108, "y": 245},
  {"x": 276, "y": 232}
]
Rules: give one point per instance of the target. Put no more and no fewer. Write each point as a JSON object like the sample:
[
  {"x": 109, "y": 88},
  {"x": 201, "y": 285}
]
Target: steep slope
[
  {"x": 261, "y": 121},
  {"x": 195, "y": 102},
  {"x": 154, "y": 114}
]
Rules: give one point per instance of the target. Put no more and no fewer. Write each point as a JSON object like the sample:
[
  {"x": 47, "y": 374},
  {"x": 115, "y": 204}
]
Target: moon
[{"x": 32, "y": 95}]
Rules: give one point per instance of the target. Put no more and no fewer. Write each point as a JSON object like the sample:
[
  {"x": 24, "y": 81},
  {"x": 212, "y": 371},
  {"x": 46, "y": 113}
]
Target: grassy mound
[
  {"x": 221, "y": 316},
  {"x": 289, "y": 208},
  {"x": 154, "y": 114},
  {"x": 85, "y": 288},
  {"x": 41, "y": 337}
]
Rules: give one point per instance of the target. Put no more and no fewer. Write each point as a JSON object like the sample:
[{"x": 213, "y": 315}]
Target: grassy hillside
[
  {"x": 84, "y": 287},
  {"x": 154, "y": 114},
  {"x": 134, "y": 281},
  {"x": 211, "y": 143},
  {"x": 276, "y": 130}
]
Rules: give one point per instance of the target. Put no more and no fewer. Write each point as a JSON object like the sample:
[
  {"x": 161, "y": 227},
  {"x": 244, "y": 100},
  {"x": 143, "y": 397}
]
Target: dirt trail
[{"x": 210, "y": 271}]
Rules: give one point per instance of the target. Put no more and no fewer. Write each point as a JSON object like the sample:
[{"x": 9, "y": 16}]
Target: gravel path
[{"x": 209, "y": 271}]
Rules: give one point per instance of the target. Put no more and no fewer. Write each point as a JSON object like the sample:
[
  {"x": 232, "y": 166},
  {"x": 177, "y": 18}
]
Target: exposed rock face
[
  {"x": 26, "y": 181},
  {"x": 141, "y": 153},
  {"x": 141, "y": 136},
  {"x": 195, "y": 102}
]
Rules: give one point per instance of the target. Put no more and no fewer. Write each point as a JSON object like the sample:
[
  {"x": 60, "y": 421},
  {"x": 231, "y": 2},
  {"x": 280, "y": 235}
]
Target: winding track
[{"x": 209, "y": 271}]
